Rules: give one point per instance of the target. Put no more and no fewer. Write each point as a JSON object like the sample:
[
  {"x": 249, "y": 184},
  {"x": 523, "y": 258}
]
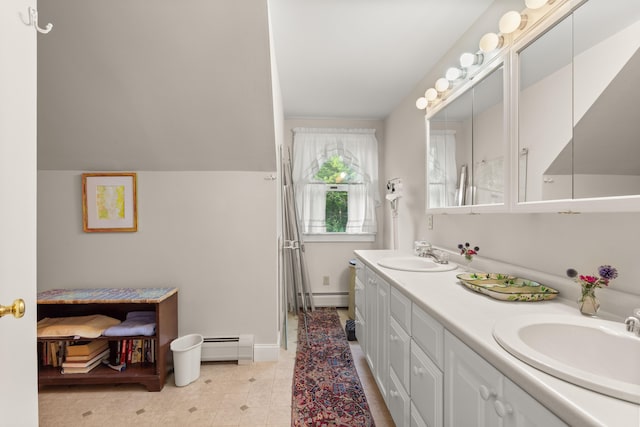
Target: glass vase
[
  {"x": 589, "y": 303},
  {"x": 465, "y": 265}
]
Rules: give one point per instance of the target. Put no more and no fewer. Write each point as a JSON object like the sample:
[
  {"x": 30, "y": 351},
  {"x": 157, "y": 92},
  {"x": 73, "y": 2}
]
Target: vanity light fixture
[
  {"x": 512, "y": 21},
  {"x": 431, "y": 94},
  {"x": 442, "y": 84},
  {"x": 455, "y": 73},
  {"x": 468, "y": 59},
  {"x": 490, "y": 42},
  {"x": 421, "y": 103},
  {"x": 509, "y": 23}
]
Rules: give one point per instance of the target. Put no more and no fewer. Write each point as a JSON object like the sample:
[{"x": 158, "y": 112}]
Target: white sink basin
[
  {"x": 414, "y": 263},
  {"x": 593, "y": 353}
]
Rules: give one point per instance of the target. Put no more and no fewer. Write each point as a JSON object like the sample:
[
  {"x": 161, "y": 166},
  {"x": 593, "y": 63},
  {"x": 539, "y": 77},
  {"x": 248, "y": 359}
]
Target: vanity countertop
[{"x": 471, "y": 316}]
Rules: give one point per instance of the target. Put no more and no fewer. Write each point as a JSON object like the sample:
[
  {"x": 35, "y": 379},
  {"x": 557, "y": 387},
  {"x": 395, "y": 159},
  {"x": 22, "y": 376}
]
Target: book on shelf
[
  {"x": 86, "y": 358},
  {"x": 83, "y": 348},
  {"x": 85, "y": 369},
  {"x": 52, "y": 353},
  {"x": 99, "y": 357}
]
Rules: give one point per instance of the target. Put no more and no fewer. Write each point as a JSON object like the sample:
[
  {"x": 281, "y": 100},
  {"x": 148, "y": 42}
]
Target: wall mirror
[
  {"x": 466, "y": 147},
  {"x": 577, "y": 122}
]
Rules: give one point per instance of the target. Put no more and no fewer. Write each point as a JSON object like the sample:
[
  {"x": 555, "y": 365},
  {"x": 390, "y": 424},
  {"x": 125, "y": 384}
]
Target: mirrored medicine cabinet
[
  {"x": 466, "y": 147},
  {"x": 573, "y": 128}
]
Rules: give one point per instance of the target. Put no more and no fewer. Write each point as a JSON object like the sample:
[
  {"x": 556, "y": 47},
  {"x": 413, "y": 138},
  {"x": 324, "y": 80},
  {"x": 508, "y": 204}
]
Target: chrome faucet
[
  {"x": 633, "y": 322},
  {"x": 427, "y": 251}
]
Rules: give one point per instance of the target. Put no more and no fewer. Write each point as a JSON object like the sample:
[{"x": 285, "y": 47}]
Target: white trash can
[{"x": 187, "y": 351}]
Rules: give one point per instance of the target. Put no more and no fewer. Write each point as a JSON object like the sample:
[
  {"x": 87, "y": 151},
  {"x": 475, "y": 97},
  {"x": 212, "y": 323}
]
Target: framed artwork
[{"x": 109, "y": 202}]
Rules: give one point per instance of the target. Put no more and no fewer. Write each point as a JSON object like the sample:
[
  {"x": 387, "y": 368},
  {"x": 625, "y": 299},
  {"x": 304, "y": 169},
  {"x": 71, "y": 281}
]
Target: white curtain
[
  {"x": 313, "y": 204},
  {"x": 361, "y": 210},
  {"x": 442, "y": 175},
  {"x": 312, "y": 147}
]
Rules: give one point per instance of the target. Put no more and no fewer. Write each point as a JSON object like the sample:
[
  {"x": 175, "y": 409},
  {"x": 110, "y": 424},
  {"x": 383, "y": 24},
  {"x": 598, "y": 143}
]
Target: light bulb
[
  {"x": 454, "y": 74},
  {"x": 442, "y": 84},
  {"x": 490, "y": 42},
  {"x": 468, "y": 59},
  {"x": 421, "y": 103},
  {"x": 512, "y": 21},
  {"x": 431, "y": 94},
  {"x": 535, "y": 4}
]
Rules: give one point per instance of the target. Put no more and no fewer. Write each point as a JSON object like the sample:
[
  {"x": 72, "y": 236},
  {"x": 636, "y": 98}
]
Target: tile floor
[{"x": 225, "y": 394}]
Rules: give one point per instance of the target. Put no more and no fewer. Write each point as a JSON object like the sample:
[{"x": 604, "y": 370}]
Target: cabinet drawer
[
  {"x": 426, "y": 387},
  {"x": 399, "y": 352},
  {"x": 398, "y": 402},
  {"x": 429, "y": 334},
  {"x": 401, "y": 309}
]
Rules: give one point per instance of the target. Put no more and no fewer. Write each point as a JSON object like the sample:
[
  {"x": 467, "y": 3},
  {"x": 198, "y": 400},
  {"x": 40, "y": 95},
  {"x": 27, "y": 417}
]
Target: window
[{"x": 335, "y": 175}]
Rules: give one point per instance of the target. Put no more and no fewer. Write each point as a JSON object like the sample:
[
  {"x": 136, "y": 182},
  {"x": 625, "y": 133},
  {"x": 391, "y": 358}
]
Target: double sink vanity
[
  {"x": 443, "y": 354},
  {"x": 541, "y": 121}
]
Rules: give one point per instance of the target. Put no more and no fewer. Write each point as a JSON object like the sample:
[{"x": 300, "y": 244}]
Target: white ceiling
[{"x": 360, "y": 58}]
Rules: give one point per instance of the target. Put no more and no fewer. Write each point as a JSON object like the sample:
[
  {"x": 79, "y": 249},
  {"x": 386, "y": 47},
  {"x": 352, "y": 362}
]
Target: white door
[{"x": 18, "y": 369}]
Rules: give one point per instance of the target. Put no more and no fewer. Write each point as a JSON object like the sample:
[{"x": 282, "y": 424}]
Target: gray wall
[
  {"x": 546, "y": 242},
  {"x": 155, "y": 85},
  {"x": 181, "y": 93}
]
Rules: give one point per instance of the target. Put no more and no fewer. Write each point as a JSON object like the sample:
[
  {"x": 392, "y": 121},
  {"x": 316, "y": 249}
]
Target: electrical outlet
[
  {"x": 326, "y": 281},
  {"x": 430, "y": 222}
]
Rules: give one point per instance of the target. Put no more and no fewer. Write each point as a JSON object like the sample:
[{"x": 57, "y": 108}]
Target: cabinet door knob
[
  {"x": 394, "y": 393},
  {"x": 419, "y": 371},
  {"x": 502, "y": 409},
  {"x": 393, "y": 337},
  {"x": 486, "y": 393},
  {"x": 16, "y": 309}
]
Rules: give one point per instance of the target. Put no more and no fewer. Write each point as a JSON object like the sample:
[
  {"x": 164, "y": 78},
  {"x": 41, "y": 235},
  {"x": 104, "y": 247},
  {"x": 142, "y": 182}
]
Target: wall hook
[{"x": 33, "y": 20}]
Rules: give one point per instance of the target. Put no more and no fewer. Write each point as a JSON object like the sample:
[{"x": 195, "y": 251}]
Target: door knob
[{"x": 17, "y": 309}]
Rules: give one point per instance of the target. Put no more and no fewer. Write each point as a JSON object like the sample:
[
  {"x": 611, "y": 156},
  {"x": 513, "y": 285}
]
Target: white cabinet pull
[
  {"x": 394, "y": 393},
  {"x": 393, "y": 337},
  {"x": 485, "y": 393},
  {"x": 502, "y": 409},
  {"x": 419, "y": 371}
]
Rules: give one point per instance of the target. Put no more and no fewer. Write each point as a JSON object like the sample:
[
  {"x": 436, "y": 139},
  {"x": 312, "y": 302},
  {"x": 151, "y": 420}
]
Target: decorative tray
[{"x": 507, "y": 288}]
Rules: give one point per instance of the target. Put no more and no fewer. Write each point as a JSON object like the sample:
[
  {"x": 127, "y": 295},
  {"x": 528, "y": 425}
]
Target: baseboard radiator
[
  {"x": 331, "y": 299},
  {"x": 220, "y": 349}
]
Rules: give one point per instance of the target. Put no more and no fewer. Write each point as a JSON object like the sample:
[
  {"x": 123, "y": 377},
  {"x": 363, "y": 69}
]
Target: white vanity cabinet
[
  {"x": 377, "y": 329},
  {"x": 427, "y": 351},
  {"x": 399, "y": 357},
  {"x": 477, "y": 394}
]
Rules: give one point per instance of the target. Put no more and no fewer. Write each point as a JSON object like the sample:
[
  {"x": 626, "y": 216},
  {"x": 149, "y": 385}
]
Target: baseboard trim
[{"x": 266, "y": 352}]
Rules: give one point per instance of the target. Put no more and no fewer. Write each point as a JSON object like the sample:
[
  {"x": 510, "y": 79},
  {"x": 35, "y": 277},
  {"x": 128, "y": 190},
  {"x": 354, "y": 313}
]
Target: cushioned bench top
[{"x": 105, "y": 295}]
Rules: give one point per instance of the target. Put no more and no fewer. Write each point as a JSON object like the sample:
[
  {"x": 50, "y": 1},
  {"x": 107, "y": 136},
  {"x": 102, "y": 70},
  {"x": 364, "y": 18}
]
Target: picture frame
[{"x": 109, "y": 202}]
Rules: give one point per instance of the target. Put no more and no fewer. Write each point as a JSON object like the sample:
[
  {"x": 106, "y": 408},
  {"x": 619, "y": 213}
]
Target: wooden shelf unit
[{"x": 151, "y": 375}]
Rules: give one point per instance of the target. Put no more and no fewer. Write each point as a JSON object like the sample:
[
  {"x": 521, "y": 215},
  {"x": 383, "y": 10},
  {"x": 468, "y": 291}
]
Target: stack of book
[{"x": 82, "y": 358}]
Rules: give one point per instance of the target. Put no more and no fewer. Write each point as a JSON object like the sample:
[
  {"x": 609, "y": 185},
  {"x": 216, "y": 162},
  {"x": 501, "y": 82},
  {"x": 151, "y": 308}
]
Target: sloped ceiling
[{"x": 155, "y": 85}]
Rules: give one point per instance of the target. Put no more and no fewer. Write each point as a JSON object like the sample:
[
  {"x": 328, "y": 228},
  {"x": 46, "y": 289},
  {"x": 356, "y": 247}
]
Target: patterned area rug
[{"x": 326, "y": 387}]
